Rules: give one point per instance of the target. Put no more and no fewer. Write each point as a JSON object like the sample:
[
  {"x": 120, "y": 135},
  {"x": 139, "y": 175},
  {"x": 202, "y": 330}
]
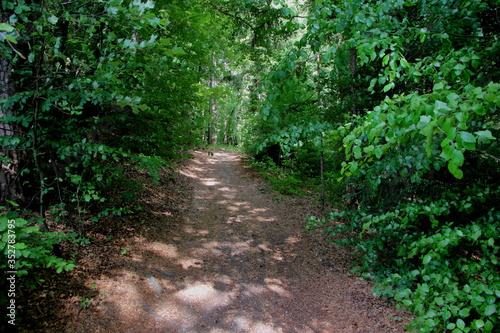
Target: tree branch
[
  {"x": 489, "y": 155},
  {"x": 225, "y": 12}
]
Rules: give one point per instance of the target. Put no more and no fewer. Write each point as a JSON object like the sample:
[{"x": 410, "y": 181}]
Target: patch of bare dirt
[{"x": 211, "y": 253}]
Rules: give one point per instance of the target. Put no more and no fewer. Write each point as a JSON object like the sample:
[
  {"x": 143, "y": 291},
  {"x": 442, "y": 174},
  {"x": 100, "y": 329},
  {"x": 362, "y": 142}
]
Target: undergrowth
[
  {"x": 283, "y": 180},
  {"x": 438, "y": 258}
]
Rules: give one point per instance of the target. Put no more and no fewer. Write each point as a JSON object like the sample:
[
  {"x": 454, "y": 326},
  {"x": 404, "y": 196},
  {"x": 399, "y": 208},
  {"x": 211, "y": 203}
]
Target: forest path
[{"x": 238, "y": 262}]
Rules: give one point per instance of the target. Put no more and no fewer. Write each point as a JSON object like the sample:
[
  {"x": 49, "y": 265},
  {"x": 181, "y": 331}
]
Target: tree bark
[
  {"x": 350, "y": 188},
  {"x": 10, "y": 186},
  {"x": 211, "y": 138},
  {"x": 353, "y": 64}
]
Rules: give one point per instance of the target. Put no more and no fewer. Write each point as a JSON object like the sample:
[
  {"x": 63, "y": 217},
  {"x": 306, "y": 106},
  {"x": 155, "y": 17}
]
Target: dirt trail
[{"x": 238, "y": 262}]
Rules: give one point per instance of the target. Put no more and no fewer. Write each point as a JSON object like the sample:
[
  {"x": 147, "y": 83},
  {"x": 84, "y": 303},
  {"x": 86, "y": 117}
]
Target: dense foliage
[
  {"x": 89, "y": 88},
  {"x": 392, "y": 107},
  {"x": 410, "y": 91}
]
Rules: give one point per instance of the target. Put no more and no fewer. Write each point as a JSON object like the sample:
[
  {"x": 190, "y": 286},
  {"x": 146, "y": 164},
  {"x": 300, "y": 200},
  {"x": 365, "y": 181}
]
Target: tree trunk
[
  {"x": 350, "y": 188},
  {"x": 211, "y": 138},
  {"x": 322, "y": 147},
  {"x": 10, "y": 186},
  {"x": 353, "y": 67}
]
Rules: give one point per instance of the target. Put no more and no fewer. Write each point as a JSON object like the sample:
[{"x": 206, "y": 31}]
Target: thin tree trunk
[
  {"x": 213, "y": 105},
  {"x": 10, "y": 185},
  {"x": 321, "y": 148},
  {"x": 353, "y": 67},
  {"x": 350, "y": 188},
  {"x": 322, "y": 174}
]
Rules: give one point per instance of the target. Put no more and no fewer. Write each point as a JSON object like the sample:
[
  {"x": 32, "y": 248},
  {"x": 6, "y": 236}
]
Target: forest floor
[{"x": 210, "y": 251}]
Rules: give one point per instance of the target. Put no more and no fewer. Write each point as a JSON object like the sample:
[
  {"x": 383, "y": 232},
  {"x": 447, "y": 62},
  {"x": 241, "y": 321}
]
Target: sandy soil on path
[{"x": 238, "y": 261}]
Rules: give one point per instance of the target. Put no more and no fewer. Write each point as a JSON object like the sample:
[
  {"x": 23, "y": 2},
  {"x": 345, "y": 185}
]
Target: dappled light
[
  {"x": 228, "y": 165},
  {"x": 230, "y": 265}
]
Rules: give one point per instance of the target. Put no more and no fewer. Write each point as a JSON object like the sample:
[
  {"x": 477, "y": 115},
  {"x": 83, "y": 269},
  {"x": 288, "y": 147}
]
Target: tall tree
[{"x": 10, "y": 186}]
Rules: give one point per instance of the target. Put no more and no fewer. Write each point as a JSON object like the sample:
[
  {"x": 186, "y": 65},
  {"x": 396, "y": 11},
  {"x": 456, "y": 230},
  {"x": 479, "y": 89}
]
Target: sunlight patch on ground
[
  {"x": 237, "y": 248},
  {"x": 177, "y": 315},
  {"x": 163, "y": 213},
  {"x": 265, "y": 328},
  {"x": 242, "y": 324},
  {"x": 234, "y": 209},
  {"x": 278, "y": 256},
  {"x": 162, "y": 249},
  {"x": 234, "y": 219},
  {"x": 252, "y": 289},
  {"x": 264, "y": 247},
  {"x": 277, "y": 286},
  {"x": 210, "y": 248},
  {"x": 204, "y": 295},
  {"x": 242, "y": 204},
  {"x": 199, "y": 197},
  {"x": 215, "y": 248},
  {"x": 230, "y": 195},
  {"x": 210, "y": 182},
  {"x": 124, "y": 291},
  {"x": 292, "y": 240},
  {"x": 196, "y": 232},
  {"x": 227, "y": 189},
  {"x": 266, "y": 219},
  {"x": 259, "y": 210},
  {"x": 187, "y": 263}
]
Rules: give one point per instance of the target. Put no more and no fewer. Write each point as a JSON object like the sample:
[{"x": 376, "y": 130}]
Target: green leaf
[
  {"x": 357, "y": 152},
  {"x": 467, "y": 137},
  {"x": 429, "y": 129},
  {"x": 453, "y": 97},
  {"x": 112, "y": 10},
  {"x": 440, "y": 107},
  {"x": 484, "y": 136},
  {"x": 448, "y": 150},
  {"x": 20, "y": 246},
  {"x": 427, "y": 258},
  {"x": 460, "y": 324},
  {"x": 438, "y": 87},
  {"x": 6, "y": 27},
  {"x": 465, "y": 312},
  {"x": 457, "y": 158},
  {"x": 479, "y": 298},
  {"x": 353, "y": 166},
  {"x": 368, "y": 149},
  {"x": 477, "y": 324},
  {"x": 424, "y": 287},
  {"x": 53, "y": 19},
  {"x": 407, "y": 302},
  {"x": 11, "y": 39},
  {"x": 424, "y": 120},
  {"x": 455, "y": 170},
  {"x": 490, "y": 309},
  {"x": 388, "y": 87}
]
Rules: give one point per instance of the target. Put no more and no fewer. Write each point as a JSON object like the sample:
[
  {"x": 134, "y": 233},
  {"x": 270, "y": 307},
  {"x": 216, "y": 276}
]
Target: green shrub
[
  {"x": 439, "y": 258},
  {"x": 282, "y": 179},
  {"x": 25, "y": 248}
]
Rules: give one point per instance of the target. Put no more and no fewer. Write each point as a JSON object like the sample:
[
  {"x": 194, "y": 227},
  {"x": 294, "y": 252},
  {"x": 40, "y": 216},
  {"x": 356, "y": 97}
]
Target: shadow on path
[{"x": 238, "y": 262}]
